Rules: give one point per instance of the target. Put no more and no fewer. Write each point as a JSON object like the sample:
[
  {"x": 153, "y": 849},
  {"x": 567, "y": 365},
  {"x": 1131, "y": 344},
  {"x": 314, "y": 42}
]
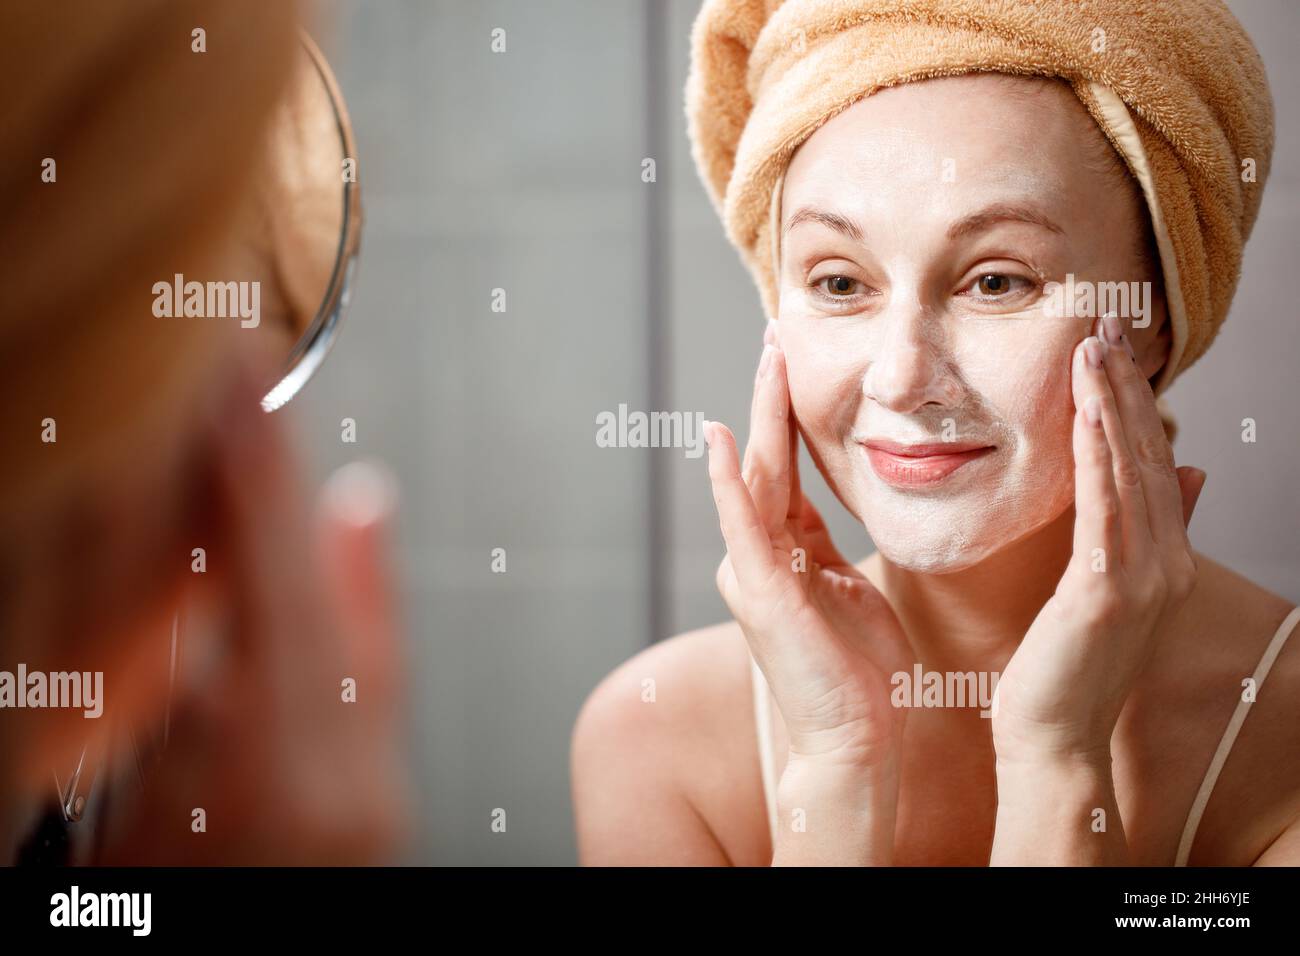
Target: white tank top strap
[
  {"x": 1230, "y": 736},
  {"x": 766, "y": 756}
]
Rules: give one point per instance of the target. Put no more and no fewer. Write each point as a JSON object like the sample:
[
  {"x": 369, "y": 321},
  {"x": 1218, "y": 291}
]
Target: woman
[{"x": 1003, "y": 449}]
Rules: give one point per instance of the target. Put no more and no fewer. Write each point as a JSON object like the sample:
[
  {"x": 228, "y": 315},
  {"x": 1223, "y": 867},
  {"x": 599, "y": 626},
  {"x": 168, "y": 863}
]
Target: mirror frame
[{"x": 311, "y": 349}]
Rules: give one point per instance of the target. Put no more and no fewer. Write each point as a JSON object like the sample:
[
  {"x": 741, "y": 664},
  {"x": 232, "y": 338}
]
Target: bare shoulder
[
  {"x": 1221, "y": 637},
  {"x": 1222, "y": 631},
  {"x": 1223, "y": 597},
  {"x": 664, "y": 759}
]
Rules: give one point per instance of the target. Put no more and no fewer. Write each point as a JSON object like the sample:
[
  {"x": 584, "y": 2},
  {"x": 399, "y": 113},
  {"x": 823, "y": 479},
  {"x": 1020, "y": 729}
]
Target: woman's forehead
[
  {"x": 979, "y": 129},
  {"x": 943, "y": 149}
]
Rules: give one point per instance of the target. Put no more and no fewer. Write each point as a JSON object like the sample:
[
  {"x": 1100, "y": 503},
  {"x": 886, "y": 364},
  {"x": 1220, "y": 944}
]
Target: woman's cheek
[
  {"x": 1042, "y": 411},
  {"x": 1021, "y": 372},
  {"x": 825, "y": 397},
  {"x": 824, "y": 393}
]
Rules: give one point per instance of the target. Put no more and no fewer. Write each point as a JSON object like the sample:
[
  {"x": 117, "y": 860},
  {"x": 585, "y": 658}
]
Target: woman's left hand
[{"x": 1132, "y": 566}]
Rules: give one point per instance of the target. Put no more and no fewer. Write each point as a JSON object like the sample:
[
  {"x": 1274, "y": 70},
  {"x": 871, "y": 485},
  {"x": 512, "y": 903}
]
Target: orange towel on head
[{"x": 1176, "y": 86}]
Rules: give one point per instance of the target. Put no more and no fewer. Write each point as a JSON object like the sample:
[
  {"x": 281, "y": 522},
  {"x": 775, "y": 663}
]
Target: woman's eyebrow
[
  {"x": 1000, "y": 212},
  {"x": 833, "y": 220},
  {"x": 975, "y": 222}
]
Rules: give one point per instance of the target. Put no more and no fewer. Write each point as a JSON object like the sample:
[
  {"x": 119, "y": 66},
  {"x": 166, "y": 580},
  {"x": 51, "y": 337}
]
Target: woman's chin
[
  {"x": 955, "y": 552},
  {"x": 946, "y": 547}
]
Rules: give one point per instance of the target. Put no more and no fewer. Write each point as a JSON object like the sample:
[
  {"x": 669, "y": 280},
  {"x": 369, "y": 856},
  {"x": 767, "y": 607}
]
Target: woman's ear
[{"x": 1153, "y": 350}]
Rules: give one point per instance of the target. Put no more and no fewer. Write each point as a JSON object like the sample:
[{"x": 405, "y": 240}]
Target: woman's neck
[{"x": 974, "y": 619}]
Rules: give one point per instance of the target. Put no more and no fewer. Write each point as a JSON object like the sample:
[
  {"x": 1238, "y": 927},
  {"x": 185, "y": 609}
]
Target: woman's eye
[
  {"x": 837, "y": 287},
  {"x": 996, "y": 285}
]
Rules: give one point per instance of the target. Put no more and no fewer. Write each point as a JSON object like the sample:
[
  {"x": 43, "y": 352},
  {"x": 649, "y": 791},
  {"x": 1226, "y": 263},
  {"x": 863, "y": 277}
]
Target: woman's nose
[{"x": 907, "y": 369}]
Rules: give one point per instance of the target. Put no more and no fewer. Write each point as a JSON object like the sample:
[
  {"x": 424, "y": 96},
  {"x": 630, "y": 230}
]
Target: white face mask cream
[
  {"x": 928, "y": 377},
  {"x": 946, "y": 485}
]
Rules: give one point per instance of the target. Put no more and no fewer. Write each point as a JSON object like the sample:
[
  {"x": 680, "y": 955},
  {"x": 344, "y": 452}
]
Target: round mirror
[{"x": 301, "y": 235}]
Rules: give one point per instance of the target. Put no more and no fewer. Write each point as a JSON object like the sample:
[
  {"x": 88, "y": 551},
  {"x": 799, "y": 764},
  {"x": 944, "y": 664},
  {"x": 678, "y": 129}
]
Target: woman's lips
[{"x": 911, "y": 466}]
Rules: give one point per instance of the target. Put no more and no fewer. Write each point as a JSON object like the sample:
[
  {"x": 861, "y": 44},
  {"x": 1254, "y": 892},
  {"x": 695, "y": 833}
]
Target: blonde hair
[{"x": 148, "y": 142}]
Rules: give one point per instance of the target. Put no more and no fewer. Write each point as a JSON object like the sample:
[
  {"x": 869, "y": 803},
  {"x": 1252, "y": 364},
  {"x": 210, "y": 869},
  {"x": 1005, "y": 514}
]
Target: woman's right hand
[
  {"x": 823, "y": 635},
  {"x": 287, "y": 729}
]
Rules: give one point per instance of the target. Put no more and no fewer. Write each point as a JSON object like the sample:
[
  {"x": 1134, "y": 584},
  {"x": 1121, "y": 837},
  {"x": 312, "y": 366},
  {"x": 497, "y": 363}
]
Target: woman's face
[{"x": 921, "y": 226}]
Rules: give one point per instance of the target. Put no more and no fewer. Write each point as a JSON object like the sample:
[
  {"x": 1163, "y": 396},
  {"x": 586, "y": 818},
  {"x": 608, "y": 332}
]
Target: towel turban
[{"x": 1176, "y": 86}]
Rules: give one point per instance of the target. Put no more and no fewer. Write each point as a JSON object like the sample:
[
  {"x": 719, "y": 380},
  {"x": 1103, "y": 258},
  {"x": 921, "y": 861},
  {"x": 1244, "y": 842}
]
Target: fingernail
[
  {"x": 1099, "y": 332},
  {"x": 766, "y": 361},
  {"x": 362, "y": 493},
  {"x": 1111, "y": 328},
  {"x": 1092, "y": 350},
  {"x": 708, "y": 433},
  {"x": 1092, "y": 410},
  {"x": 769, "y": 334}
]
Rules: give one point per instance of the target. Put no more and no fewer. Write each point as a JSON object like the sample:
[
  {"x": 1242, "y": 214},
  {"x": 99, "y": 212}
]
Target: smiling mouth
[{"x": 912, "y": 466}]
